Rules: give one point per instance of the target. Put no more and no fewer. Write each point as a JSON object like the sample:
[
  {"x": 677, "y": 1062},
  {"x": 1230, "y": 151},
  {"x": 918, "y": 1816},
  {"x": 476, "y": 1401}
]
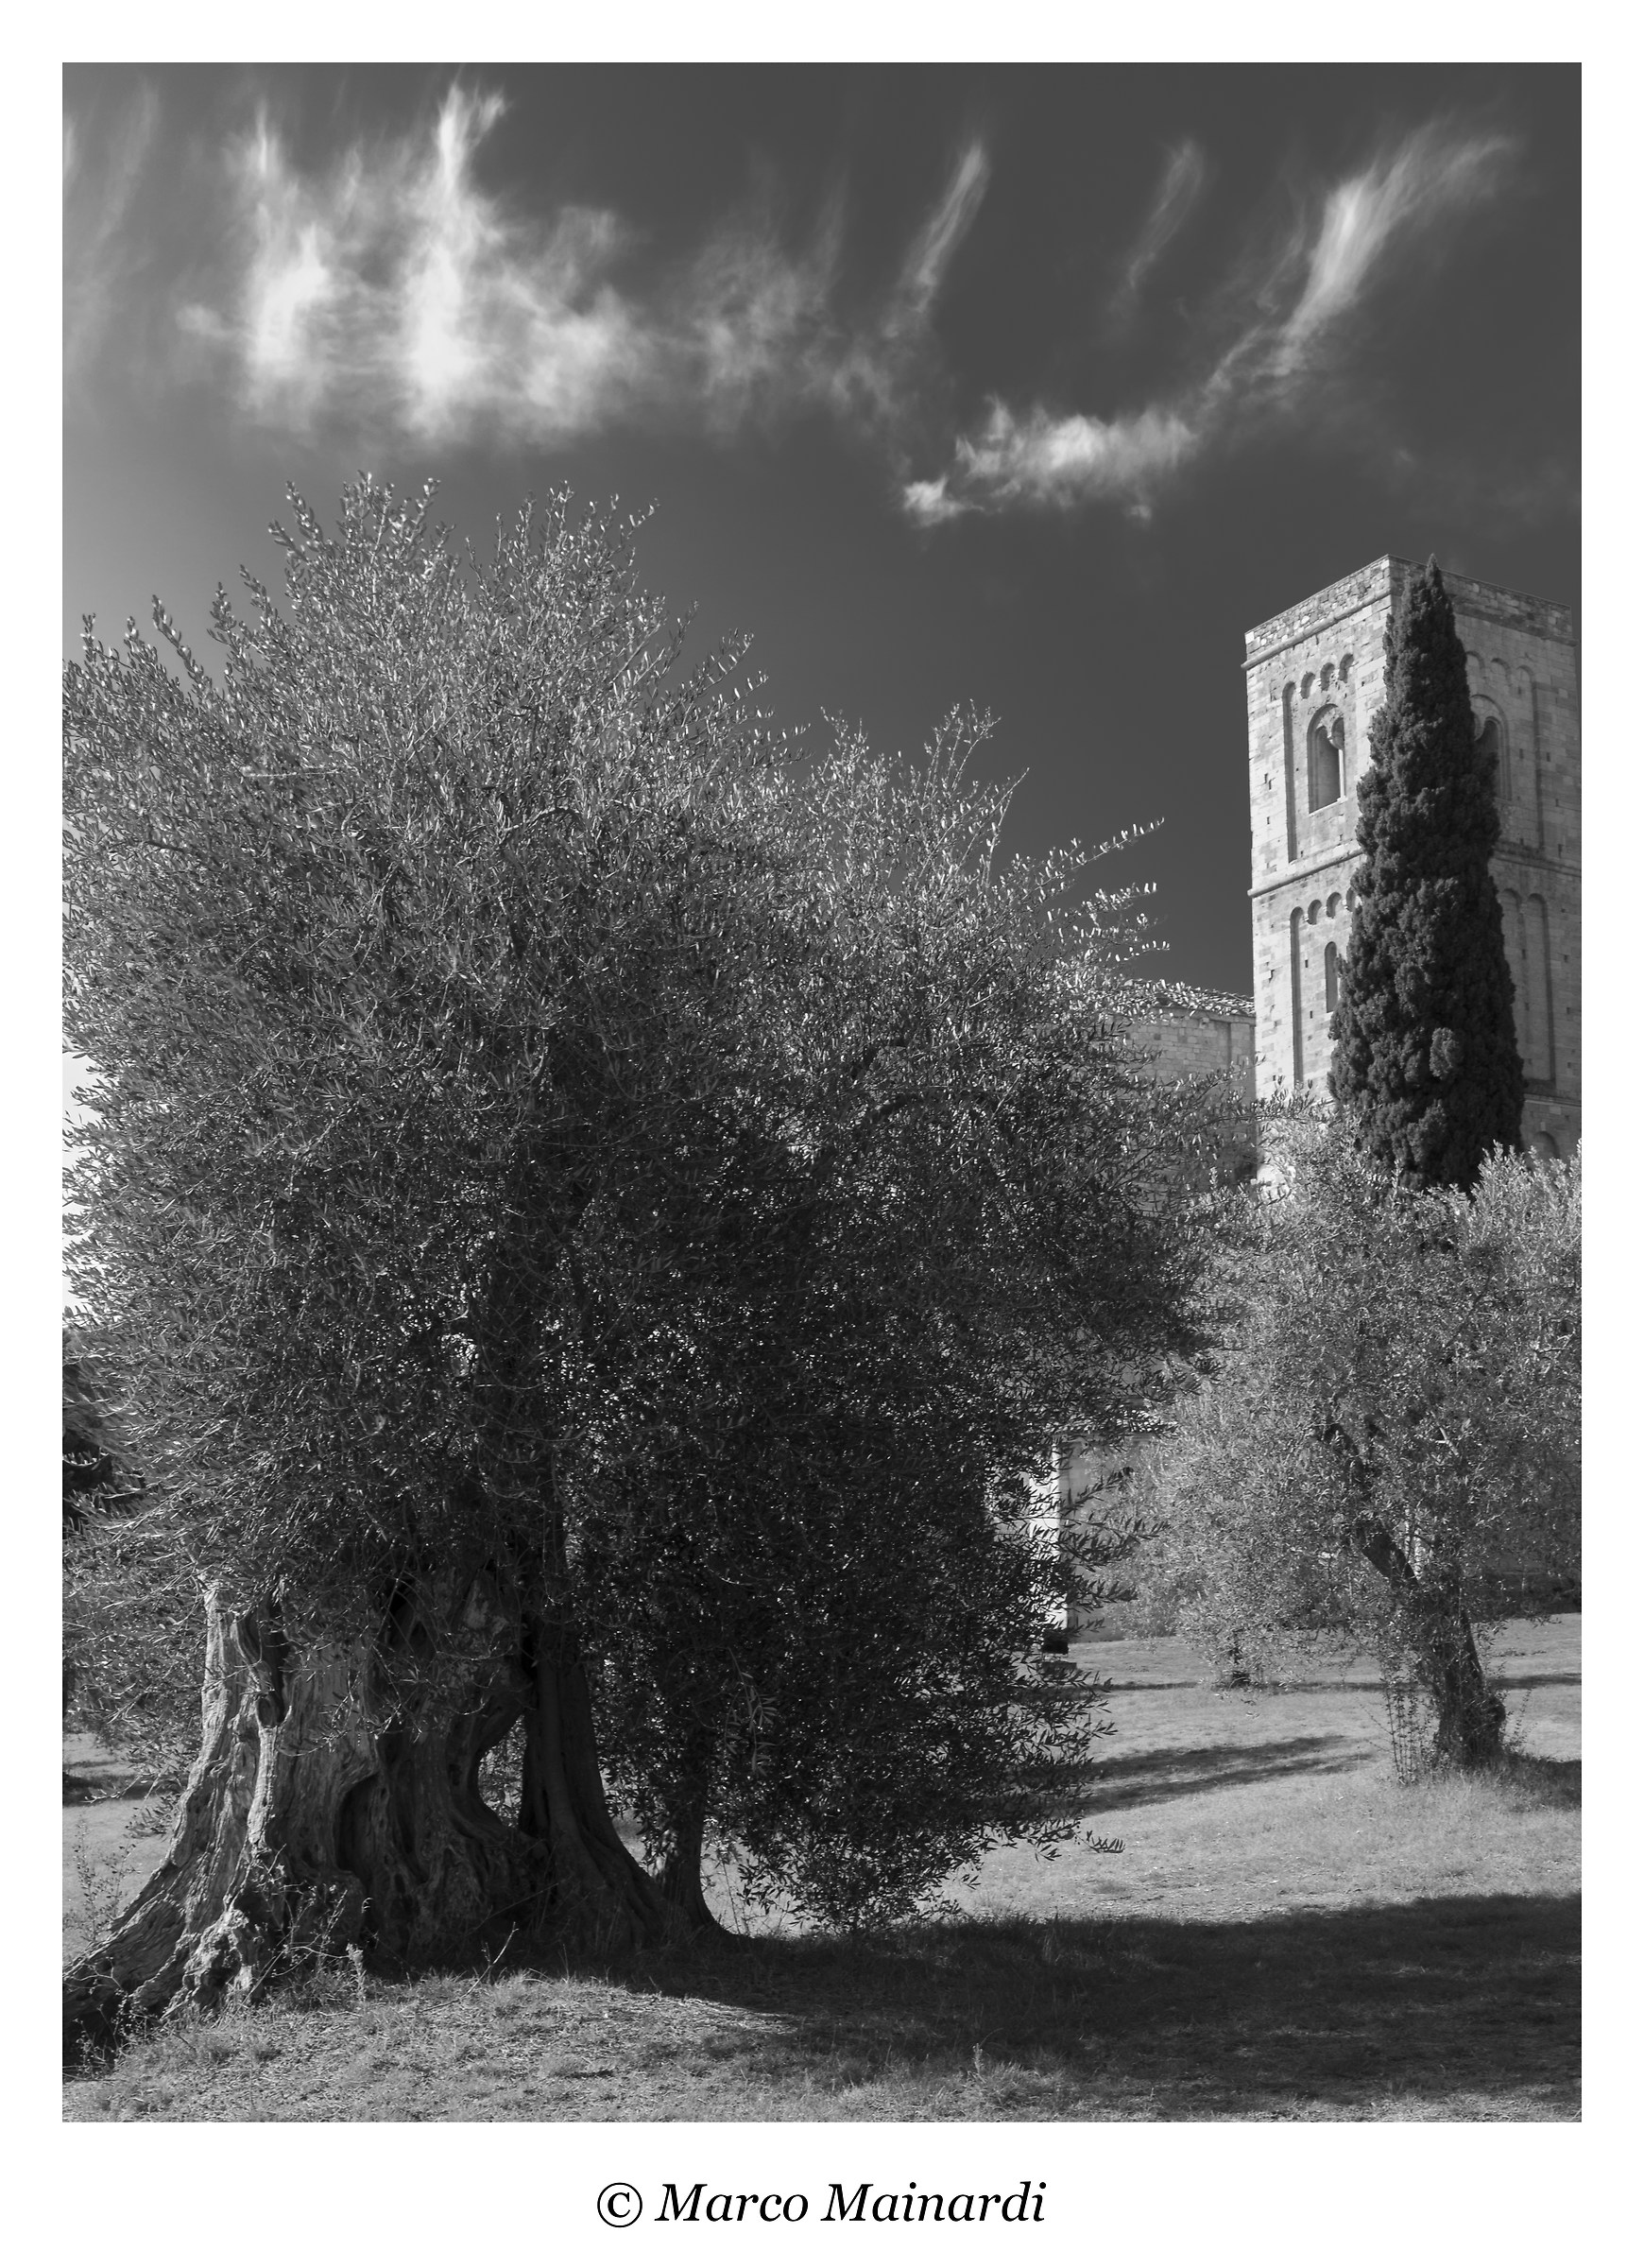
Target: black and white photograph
[{"x": 822, "y": 1099}]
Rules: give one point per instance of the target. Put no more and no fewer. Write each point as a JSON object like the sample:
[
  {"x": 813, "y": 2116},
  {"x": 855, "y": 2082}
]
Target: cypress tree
[{"x": 1425, "y": 1062}]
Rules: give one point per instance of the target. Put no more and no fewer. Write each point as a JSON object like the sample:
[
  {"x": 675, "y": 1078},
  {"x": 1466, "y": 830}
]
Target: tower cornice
[{"x": 1382, "y": 578}]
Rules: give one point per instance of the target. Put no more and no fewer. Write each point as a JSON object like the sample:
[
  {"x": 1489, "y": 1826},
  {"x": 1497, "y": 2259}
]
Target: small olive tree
[{"x": 1388, "y": 1454}]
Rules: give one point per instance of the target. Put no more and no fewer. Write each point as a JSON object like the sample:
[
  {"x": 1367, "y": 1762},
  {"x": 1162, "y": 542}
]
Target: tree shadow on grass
[
  {"x": 1503, "y": 1681},
  {"x": 1162, "y": 1775},
  {"x": 1109, "y": 1782},
  {"x": 1453, "y": 2002},
  {"x": 1551, "y": 1783},
  {"x": 1152, "y": 1685}
]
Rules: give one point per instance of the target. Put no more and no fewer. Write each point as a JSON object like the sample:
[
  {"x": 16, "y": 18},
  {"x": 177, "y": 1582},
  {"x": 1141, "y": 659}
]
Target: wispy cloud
[
  {"x": 103, "y": 256},
  {"x": 1424, "y": 183},
  {"x": 394, "y": 288},
  {"x": 1295, "y": 304},
  {"x": 1186, "y": 172},
  {"x": 1039, "y": 460},
  {"x": 395, "y": 292},
  {"x": 931, "y": 253}
]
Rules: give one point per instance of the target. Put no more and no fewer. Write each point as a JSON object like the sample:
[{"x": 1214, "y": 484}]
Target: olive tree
[
  {"x": 1388, "y": 1454},
  {"x": 593, "y": 1217}
]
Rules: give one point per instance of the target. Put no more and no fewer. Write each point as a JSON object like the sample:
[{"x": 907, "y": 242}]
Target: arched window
[
  {"x": 1332, "y": 905},
  {"x": 1544, "y": 1145},
  {"x": 1290, "y": 784},
  {"x": 1295, "y": 998},
  {"x": 1314, "y": 911},
  {"x": 1333, "y": 965},
  {"x": 1325, "y": 742},
  {"x": 1489, "y": 741}
]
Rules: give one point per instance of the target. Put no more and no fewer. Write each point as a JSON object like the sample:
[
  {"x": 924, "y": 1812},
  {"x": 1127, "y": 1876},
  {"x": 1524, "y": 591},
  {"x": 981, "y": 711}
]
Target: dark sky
[{"x": 1022, "y": 386}]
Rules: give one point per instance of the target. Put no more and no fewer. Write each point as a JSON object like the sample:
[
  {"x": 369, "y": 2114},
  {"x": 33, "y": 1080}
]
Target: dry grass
[{"x": 1288, "y": 1935}]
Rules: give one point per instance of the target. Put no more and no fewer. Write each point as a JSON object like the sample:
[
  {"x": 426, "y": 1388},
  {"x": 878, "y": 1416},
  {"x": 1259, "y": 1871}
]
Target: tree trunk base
[
  {"x": 602, "y": 1897},
  {"x": 1438, "y": 1631},
  {"x": 304, "y": 1831}
]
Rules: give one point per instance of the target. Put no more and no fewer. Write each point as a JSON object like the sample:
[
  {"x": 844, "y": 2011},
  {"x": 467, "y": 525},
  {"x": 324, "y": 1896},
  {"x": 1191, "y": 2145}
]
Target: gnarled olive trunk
[
  {"x": 307, "y": 1825},
  {"x": 303, "y": 1828}
]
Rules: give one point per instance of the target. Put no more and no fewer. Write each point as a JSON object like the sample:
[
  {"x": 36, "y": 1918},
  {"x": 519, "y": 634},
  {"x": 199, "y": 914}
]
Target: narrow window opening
[
  {"x": 1296, "y": 1026},
  {"x": 1325, "y": 765}
]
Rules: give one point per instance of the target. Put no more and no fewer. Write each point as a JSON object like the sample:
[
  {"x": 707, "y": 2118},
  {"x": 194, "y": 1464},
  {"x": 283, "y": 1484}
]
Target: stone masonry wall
[
  {"x": 1320, "y": 662},
  {"x": 1191, "y": 1041}
]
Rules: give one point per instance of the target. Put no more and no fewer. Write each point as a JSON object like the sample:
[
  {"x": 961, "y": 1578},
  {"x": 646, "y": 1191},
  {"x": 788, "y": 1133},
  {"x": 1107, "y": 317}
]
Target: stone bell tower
[{"x": 1313, "y": 678}]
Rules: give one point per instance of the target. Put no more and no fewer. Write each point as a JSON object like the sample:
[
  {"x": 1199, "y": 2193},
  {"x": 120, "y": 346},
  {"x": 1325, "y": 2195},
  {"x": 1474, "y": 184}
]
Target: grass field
[{"x": 1286, "y": 1935}]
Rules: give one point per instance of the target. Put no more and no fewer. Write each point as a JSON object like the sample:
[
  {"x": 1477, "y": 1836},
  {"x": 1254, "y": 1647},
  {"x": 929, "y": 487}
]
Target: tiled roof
[
  {"x": 1153, "y": 996},
  {"x": 1167, "y": 998}
]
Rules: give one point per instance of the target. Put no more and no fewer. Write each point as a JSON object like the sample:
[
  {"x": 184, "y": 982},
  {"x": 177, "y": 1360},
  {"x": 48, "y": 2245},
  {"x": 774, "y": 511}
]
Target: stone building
[
  {"x": 1313, "y": 677},
  {"x": 1190, "y": 1033}
]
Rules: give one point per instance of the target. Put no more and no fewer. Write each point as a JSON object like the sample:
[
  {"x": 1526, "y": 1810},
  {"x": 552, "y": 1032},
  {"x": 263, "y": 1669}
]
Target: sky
[{"x": 1027, "y": 387}]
